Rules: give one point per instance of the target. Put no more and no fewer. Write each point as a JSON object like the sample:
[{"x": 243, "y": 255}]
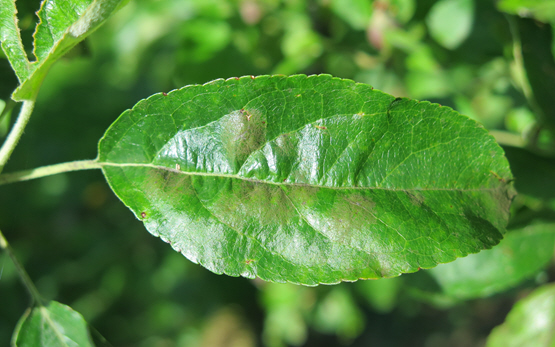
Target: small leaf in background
[
  {"x": 226, "y": 327},
  {"x": 338, "y": 314},
  {"x": 531, "y": 322},
  {"x": 356, "y": 13},
  {"x": 300, "y": 45},
  {"x": 519, "y": 256},
  {"x": 63, "y": 24},
  {"x": 52, "y": 325},
  {"x": 425, "y": 77},
  {"x": 542, "y": 10},
  {"x": 382, "y": 294},
  {"x": 539, "y": 65},
  {"x": 403, "y": 10},
  {"x": 308, "y": 179},
  {"x": 450, "y": 21},
  {"x": 287, "y": 307}
]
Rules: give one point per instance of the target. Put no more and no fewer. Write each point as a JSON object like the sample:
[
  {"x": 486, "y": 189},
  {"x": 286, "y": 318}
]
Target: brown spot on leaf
[
  {"x": 415, "y": 198},
  {"x": 143, "y": 215},
  {"x": 499, "y": 178}
]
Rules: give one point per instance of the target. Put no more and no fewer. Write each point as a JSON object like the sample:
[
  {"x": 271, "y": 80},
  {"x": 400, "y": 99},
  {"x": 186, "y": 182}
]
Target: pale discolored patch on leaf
[
  {"x": 308, "y": 179},
  {"x": 242, "y": 132}
]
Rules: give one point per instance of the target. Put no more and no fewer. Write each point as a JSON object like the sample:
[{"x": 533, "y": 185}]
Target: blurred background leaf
[
  {"x": 530, "y": 322},
  {"x": 522, "y": 254},
  {"x": 450, "y": 21},
  {"x": 540, "y": 9}
]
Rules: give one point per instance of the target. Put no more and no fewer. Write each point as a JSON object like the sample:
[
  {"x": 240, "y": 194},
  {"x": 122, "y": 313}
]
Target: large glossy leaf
[
  {"x": 520, "y": 255},
  {"x": 531, "y": 322},
  {"x": 308, "y": 179},
  {"x": 54, "y": 325},
  {"x": 63, "y": 24}
]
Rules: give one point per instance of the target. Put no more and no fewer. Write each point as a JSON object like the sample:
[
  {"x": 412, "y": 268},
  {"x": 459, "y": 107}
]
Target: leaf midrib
[{"x": 281, "y": 184}]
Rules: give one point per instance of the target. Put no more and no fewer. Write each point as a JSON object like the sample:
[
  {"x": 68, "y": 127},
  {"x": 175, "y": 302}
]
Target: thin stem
[
  {"x": 21, "y": 271},
  {"x": 502, "y": 137},
  {"x": 49, "y": 170},
  {"x": 16, "y": 132}
]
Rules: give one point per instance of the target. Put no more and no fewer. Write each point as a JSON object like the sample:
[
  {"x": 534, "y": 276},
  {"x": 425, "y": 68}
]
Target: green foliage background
[{"x": 84, "y": 248}]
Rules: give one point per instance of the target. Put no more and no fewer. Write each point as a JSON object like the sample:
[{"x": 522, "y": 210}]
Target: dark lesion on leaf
[
  {"x": 499, "y": 178},
  {"x": 416, "y": 198},
  {"x": 482, "y": 229},
  {"x": 393, "y": 103},
  {"x": 143, "y": 215}
]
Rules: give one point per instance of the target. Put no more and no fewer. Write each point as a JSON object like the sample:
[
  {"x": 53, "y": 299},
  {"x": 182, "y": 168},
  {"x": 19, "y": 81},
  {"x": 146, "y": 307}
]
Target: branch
[
  {"x": 16, "y": 132},
  {"x": 21, "y": 271}
]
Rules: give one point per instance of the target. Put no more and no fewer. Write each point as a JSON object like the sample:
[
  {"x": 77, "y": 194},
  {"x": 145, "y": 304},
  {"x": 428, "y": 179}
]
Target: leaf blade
[
  {"x": 519, "y": 256},
  {"x": 11, "y": 40},
  {"x": 63, "y": 24},
  {"x": 304, "y": 179},
  {"x": 52, "y": 325},
  {"x": 529, "y": 323},
  {"x": 450, "y": 22}
]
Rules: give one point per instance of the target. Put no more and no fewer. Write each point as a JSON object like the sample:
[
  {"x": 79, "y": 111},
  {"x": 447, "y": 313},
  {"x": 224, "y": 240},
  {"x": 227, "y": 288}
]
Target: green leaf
[
  {"x": 519, "y": 256},
  {"x": 308, "y": 179},
  {"x": 52, "y": 325},
  {"x": 381, "y": 295},
  {"x": 450, "y": 21},
  {"x": 542, "y": 10},
  {"x": 531, "y": 322},
  {"x": 355, "y": 12},
  {"x": 339, "y": 314},
  {"x": 287, "y": 307},
  {"x": 62, "y": 25},
  {"x": 539, "y": 62},
  {"x": 11, "y": 40}
]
